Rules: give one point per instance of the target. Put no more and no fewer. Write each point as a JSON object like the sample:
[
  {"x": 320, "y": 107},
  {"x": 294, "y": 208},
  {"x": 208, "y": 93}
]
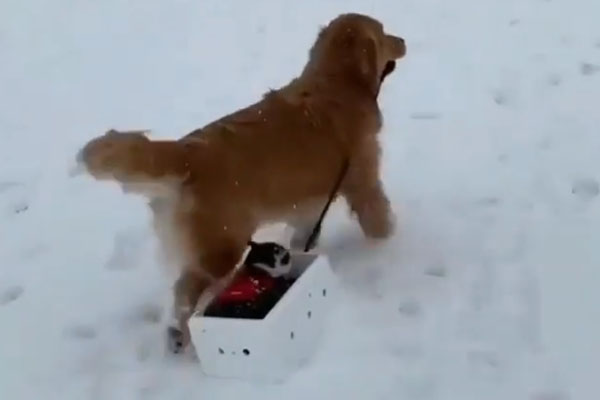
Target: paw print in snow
[
  {"x": 13, "y": 192},
  {"x": 149, "y": 313},
  {"x": 554, "y": 79},
  {"x": 81, "y": 332},
  {"x": 586, "y": 189},
  {"x": 425, "y": 115},
  {"x": 410, "y": 308},
  {"x": 436, "y": 270},
  {"x": 10, "y": 294},
  {"x": 8, "y": 185},
  {"x": 126, "y": 250},
  {"x": 485, "y": 359},
  {"x": 588, "y": 69},
  {"x": 500, "y": 98},
  {"x": 550, "y": 395},
  {"x": 21, "y": 207},
  {"x": 489, "y": 201}
]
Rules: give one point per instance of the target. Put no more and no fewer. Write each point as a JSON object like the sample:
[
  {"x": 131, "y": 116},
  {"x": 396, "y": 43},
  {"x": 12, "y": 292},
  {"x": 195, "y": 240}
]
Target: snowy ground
[{"x": 491, "y": 142}]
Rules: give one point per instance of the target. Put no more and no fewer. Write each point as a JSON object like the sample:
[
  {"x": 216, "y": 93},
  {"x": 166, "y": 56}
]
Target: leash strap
[{"x": 317, "y": 228}]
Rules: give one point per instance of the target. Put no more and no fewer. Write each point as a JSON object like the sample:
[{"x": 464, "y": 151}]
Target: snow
[{"x": 491, "y": 142}]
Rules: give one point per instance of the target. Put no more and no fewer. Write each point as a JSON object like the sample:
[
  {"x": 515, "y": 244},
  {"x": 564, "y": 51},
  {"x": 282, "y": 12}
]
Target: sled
[{"x": 274, "y": 346}]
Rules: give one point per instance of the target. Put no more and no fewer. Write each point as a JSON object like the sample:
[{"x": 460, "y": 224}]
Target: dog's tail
[{"x": 131, "y": 158}]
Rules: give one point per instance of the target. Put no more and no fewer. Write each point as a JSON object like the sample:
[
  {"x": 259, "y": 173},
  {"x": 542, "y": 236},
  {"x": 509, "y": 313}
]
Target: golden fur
[{"x": 274, "y": 161}]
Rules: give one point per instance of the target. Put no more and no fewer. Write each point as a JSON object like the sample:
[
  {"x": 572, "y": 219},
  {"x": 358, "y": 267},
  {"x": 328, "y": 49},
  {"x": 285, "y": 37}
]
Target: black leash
[{"x": 317, "y": 229}]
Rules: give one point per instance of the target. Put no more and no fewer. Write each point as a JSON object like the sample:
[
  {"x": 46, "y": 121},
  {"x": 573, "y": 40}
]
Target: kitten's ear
[{"x": 252, "y": 243}]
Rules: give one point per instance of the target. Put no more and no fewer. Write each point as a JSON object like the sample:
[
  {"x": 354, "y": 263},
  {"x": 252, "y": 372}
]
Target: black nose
[{"x": 286, "y": 258}]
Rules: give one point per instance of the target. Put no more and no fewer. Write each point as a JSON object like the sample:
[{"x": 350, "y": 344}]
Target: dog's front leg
[
  {"x": 373, "y": 210},
  {"x": 365, "y": 195}
]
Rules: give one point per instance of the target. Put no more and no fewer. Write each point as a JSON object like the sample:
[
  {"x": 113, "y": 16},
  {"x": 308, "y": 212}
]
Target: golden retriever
[{"x": 274, "y": 161}]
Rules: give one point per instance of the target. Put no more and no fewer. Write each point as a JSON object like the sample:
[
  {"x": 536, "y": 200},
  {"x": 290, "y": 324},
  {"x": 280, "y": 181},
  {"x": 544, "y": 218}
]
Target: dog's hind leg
[
  {"x": 218, "y": 255},
  {"x": 186, "y": 293}
]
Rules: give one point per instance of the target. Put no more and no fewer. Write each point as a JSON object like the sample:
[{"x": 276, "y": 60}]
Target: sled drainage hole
[
  {"x": 309, "y": 314},
  {"x": 292, "y": 335},
  {"x": 221, "y": 351},
  {"x": 324, "y": 292},
  {"x": 246, "y": 352}
]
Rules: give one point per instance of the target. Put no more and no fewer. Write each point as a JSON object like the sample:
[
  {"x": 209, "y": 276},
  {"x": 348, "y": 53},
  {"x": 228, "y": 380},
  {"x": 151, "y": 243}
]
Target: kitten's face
[{"x": 270, "y": 257}]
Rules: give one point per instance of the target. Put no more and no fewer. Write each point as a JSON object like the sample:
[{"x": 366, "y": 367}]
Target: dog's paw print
[
  {"x": 21, "y": 207},
  {"x": 437, "y": 270},
  {"x": 8, "y": 185},
  {"x": 10, "y": 294},
  {"x": 81, "y": 332},
  {"x": 554, "y": 80},
  {"x": 502, "y": 158},
  {"x": 410, "y": 308},
  {"x": 406, "y": 352},
  {"x": 483, "y": 359},
  {"x": 550, "y": 395},
  {"x": 148, "y": 391},
  {"x": 126, "y": 250},
  {"x": 489, "y": 202},
  {"x": 545, "y": 143},
  {"x": 587, "y": 69},
  {"x": 143, "y": 352},
  {"x": 15, "y": 196},
  {"x": 425, "y": 116},
  {"x": 33, "y": 251},
  {"x": 501, "y": 98},
  {"x": 149, "y": 314},
  {"x": 586, "y": 189}
]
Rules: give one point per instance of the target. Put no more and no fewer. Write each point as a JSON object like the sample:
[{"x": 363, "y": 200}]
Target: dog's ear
[
  {"x": 368, "y": 62},
  {"x": 363, "y": 61},
  {"x": 366, "y": 55}
]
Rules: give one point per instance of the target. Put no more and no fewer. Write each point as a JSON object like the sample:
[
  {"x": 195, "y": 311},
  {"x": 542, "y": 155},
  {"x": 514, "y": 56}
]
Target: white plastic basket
[{"x": 272, "y": 348}]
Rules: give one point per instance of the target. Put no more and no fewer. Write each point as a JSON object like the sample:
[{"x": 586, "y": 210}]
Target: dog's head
[{"x": 357, "y": 46}]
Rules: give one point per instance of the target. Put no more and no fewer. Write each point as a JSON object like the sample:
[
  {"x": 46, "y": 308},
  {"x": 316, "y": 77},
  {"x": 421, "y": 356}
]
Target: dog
[{"x": 275, "y": 160}]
